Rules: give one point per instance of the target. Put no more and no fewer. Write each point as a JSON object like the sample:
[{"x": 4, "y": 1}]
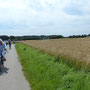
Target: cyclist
[
  {"x": 9, "y": 41},
  {"x": 3, "y": 49}
]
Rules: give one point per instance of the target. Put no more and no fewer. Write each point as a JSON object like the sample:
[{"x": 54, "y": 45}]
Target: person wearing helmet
[{"x": 3, "y": 49}]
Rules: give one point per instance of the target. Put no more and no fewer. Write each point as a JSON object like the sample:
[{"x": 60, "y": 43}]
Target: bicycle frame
[{"x": 1, "y": 62}]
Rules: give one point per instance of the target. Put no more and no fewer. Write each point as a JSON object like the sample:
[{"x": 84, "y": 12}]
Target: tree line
[
  {"x": 41, "y": 37},
  {"x": 79, "y": 36},
  {"x": 4, "y": 37}
]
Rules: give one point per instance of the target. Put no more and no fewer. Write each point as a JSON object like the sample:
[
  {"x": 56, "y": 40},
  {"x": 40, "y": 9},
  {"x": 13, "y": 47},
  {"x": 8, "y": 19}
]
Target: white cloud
[{"x": 40, "y": 15}]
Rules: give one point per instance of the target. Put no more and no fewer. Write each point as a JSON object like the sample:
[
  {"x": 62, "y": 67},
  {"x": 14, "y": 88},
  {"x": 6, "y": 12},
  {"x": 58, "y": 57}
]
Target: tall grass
[
  {"x": 70, "y": 61},
  {"x": 45, "y": 72},
  {"x": 74, "y": 52},
  {"x": 78, "y": 48}
]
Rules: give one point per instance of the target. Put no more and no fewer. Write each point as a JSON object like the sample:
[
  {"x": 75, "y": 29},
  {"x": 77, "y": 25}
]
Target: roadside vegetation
[
  {"x": 77, "y": 50},
  {"x": 41, "y": 37},
  {"x": 46, "y": 72}
]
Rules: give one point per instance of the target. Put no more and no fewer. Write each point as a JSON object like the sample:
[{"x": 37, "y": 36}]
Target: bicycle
[{"x": 1, "y": 61}]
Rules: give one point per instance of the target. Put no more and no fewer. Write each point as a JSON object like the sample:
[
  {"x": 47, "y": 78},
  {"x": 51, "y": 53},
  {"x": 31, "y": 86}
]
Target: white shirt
[{"x": 2, "y": 47}]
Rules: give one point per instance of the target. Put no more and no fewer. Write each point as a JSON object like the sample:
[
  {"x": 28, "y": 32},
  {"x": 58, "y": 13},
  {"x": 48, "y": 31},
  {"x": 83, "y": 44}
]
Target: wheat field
[{"x": 78, "y": 48}]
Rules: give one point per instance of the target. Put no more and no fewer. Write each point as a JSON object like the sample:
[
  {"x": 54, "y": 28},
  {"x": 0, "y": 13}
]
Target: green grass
[{"x": 44, "y": 72}]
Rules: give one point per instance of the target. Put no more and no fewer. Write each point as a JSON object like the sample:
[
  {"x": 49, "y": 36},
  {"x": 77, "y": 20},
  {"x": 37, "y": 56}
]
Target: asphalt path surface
[{"x": 12, "y": 77}]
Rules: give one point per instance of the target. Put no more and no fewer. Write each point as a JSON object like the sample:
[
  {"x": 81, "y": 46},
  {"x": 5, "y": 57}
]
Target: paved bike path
[{"x": 12, "y": 77}]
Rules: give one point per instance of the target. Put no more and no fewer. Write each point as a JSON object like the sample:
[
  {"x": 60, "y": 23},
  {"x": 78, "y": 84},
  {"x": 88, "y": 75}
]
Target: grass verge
[{"x": 44, "y": 72}]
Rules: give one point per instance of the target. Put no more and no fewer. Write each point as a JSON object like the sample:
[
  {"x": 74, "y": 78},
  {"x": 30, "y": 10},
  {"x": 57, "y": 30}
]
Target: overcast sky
[{"x": 44, "y": 17}]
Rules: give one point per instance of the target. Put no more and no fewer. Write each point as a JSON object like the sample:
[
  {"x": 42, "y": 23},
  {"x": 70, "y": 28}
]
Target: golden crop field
[{"x": 78, "y": 48}]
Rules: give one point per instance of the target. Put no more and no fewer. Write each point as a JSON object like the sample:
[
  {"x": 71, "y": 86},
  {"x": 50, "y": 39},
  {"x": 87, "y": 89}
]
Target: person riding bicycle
[
  {"x": 3, "y": 49},
  {"x": 9, "y": 41}
]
